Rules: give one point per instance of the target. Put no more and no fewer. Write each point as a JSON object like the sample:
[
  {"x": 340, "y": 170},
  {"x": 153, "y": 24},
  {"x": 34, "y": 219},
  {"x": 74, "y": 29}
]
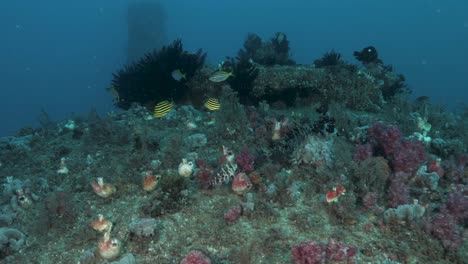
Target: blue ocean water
[{"x": 59, "y": 56}]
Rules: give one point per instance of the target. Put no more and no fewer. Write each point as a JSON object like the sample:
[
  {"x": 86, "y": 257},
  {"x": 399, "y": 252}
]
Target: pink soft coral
[{"x": 196, "y": 257}]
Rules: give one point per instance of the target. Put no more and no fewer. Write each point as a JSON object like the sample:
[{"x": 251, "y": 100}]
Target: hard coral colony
[{"x": 257, "y": 160}]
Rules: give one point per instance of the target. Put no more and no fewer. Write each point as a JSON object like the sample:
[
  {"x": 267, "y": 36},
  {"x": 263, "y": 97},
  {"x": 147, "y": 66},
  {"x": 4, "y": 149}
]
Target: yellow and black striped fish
[
  {"x": 162, "y": 108},
  {"x": 115, "y": 93},
  {"x": 212, "y": 104}
]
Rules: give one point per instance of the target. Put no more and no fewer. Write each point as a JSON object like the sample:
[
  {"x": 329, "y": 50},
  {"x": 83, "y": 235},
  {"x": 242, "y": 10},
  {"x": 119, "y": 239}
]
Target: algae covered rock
[
  {"x": 11, "y": 239},
  {"x": 144, "y": 227}
]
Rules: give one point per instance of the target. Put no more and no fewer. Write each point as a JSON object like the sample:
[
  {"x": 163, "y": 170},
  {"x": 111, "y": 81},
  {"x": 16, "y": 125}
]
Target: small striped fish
[
  {"x": 115, "y": 93},
  {"x": 162, "y": 108},
  {"x": 220, "y": 76},
  {"x": 212, "y": 104}
]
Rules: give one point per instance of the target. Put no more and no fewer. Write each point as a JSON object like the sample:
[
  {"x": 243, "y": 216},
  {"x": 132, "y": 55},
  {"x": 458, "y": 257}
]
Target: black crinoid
[
  {"x": 244, "y": 73},
  {"x": 331, "y": 58},
  {"x": 280, "y": 45},
  {"x": 367, "y": 55},
  {"x": 149, "y": 80},
  {"x": 255, "y": 52},
  {"x": 394, "y": 86},
  {"x": 273, "y": 52}
]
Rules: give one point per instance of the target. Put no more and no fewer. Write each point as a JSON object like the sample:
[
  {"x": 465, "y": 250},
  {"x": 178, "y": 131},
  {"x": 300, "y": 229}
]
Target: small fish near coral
[
  {"x": 220, "y": 76},
  {"x": 115, "y": 93},
  {"x": 161, "y": 109},
  {"x": 212, "y": 104},
  {"x": 280, "y": 36},
  {"x": 178, "y": 75}
]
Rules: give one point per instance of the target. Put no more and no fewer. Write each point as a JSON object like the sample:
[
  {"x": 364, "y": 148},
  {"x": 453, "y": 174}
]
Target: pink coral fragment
[
  {"x": 231, "y": 216},
  {"x": 196, "y": 257}
]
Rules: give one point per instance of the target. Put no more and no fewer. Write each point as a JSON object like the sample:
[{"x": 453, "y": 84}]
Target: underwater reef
[{"x": 323, "y": 163}]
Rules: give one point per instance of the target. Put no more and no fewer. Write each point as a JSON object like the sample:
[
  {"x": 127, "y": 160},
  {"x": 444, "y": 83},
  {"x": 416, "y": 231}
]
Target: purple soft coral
[
  {"x": 363, "y": 152},
  {"x": 457, "y": 204},
  {"x": 309, "y": 252},
  {"x": 404, "y": 155},
  {"x": 443, "y": 227},
  {"x": 312, "y": 252},
  {"x": 409, "y": 156},
  {"x": 338, "y": 251},
  {"x": 398, "y": 192},
  {"x": 388, "y": 138},
  {"x": 245, "y": 161}
]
